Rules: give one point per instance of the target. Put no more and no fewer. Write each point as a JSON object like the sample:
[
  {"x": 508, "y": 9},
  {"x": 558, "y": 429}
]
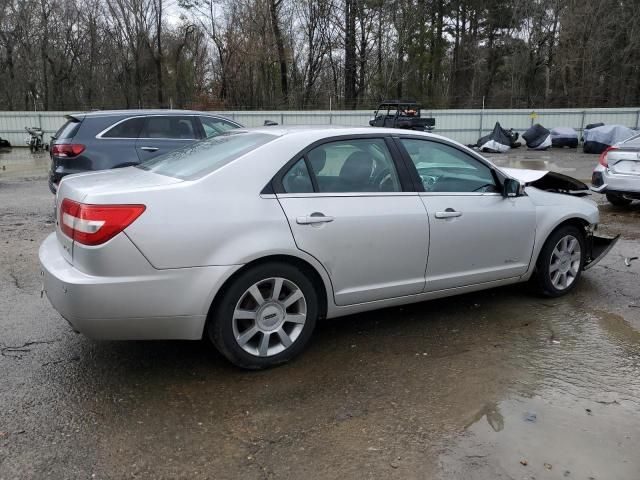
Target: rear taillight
[
  {"x": 603, "y": 156},
  {"x": 67, "y": 149},
  {"x": 95, "y": 224}
]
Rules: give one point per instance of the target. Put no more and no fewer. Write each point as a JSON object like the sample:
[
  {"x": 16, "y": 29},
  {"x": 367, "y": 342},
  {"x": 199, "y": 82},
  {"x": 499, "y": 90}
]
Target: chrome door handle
[
  {"x": 149, "y": 149},
  {"x": 448, "y": 213},
  {"x": 313, "y": 219}
]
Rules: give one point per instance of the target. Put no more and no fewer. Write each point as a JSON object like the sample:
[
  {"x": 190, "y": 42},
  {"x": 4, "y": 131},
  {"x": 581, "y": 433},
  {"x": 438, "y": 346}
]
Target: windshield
[{"x": 202, "y": 158}]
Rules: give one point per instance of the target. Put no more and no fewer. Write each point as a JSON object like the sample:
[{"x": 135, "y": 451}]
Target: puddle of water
[
  {"x": 556, "y": 437},
  {"x": 20, "y": 163},
  {"x": 574, "y": 411}
]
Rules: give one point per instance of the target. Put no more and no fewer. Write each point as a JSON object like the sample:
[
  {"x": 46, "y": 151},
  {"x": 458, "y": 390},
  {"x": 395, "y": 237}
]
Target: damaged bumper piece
[{"x": 597, "y": 248}]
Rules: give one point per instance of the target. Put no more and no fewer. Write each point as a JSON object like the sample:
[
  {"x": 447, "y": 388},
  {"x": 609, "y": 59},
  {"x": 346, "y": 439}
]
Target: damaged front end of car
[{"x": 553, "y": 182}]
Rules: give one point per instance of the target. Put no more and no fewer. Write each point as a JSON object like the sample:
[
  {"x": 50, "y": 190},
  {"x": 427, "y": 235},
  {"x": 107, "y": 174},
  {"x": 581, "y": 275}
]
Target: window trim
[
  {"x": 199, "y": 128},
  {"x": 498, "y": 177},
  {"x": 406, "y": 185}
]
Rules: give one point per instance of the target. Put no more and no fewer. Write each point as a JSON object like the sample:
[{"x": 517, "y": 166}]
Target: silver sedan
[
  {"x": 250, "y": 237},
  {"x": 617, "y": 174}
]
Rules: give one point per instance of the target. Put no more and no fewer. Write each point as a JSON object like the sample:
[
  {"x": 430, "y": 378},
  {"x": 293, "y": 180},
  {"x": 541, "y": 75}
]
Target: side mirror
[{"x": 511, "y": 188}]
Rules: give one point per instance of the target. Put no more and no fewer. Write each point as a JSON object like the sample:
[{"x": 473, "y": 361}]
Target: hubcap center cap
[
  {"x": 565, "y": 262},
  {"x": 270, "y": 316}
]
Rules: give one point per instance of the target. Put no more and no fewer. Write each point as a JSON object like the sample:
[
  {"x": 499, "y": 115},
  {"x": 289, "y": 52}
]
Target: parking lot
[{"x": 496, "y": 384}]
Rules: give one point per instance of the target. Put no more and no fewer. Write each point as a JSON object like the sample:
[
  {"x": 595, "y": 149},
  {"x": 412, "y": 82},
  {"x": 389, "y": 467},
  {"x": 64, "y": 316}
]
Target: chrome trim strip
[{"x": 99, "y": 135}]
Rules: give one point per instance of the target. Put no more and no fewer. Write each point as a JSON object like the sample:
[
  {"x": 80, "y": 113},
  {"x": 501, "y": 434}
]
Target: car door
[
  {"x": 165, "y": 133},
  {"x": 476, "y": 234},
  {"x": 348, "y": 206}
]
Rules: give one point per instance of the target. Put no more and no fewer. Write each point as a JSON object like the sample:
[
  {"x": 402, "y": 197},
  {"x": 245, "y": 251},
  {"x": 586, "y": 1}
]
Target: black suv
[
  {"x": 112, "y": 139},
  {"x": 403, "y": 114}
]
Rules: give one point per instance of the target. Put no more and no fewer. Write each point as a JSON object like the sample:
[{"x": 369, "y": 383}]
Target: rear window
[
  {"x": 129, "y": 128},
  {"x": 202, "y": 158},
  {"x": 68, "y": 130}
]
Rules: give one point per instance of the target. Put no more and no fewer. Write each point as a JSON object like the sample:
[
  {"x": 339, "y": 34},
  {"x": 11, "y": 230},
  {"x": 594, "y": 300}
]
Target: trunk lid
[
  {"x": 624, "y": 161},
  {"x": 83, "y": 187}
]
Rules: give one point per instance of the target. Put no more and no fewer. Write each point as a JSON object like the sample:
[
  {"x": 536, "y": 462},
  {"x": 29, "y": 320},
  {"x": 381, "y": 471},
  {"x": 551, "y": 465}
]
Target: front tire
[
  {"x": 265, "y": 317},
  {"x": 618, "y": 200},
  {"x": 561, "y": 261}
]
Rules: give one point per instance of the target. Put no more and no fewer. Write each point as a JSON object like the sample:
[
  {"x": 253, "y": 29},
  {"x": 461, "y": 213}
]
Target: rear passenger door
[
  {"x": 349, "y": 204},
  {"x": 164, "y": 133}
]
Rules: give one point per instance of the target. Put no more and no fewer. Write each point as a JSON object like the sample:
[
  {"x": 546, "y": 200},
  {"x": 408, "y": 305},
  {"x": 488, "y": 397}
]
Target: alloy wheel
[
  {"x": 565, "y": 262},
  {"x": 269, "y": 317}
]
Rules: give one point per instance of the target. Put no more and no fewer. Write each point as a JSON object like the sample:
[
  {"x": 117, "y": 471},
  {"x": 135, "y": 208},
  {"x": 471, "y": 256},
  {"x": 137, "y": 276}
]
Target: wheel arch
[
  {"x": 309, "y": 270},
  {"x": 580, "y": 222}
]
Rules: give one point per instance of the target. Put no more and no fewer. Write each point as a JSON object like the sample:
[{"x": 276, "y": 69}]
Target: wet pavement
[{"x": 497, "y": 384}]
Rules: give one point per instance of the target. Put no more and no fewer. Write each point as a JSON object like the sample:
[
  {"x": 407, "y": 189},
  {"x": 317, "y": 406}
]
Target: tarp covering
[
  {"x": 597, "y": 139},
  {"x": 498, "y": 141},
  {"x": 537, "y": 137},
  {"x": 564, "y": 137}
]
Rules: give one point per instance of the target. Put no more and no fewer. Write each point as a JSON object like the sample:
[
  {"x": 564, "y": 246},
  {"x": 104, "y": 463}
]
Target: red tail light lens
[
  {"x": 67, "y": 150},
  {"x": 95, "y": 224},
  {"x": 603, "y": 156}
]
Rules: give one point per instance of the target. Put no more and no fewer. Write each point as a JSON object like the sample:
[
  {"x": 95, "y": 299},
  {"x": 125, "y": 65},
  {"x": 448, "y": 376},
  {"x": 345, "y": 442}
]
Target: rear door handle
[
  {"x": 149, "y": 149},
  {"x": 448, "y": 213},
  {"x": 314, "y": 218}
]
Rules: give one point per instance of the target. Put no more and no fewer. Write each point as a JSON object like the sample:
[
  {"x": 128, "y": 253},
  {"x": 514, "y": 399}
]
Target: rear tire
[
  {"x": 618, "y": 200},
  {"x": 265, "y": 317},
  {"x": 560, "y": 262}
]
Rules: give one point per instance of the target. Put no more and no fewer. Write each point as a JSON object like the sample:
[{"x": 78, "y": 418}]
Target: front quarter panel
[{"x": 553, "y": 209}]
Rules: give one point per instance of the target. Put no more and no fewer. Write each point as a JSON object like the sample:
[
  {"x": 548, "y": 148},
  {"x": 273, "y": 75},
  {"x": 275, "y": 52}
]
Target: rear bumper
[
  {"x": 603, "y": 181},
  {"x": 162, "y": 304}
]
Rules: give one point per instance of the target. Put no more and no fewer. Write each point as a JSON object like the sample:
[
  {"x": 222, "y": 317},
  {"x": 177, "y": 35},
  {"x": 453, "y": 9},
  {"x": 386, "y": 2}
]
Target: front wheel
[
  {"x": 265, "y": 317},
  {"x": 560, "y": 262}
]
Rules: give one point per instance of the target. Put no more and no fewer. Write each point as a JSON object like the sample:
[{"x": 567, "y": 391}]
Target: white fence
[{"x": 465, "y": 126}]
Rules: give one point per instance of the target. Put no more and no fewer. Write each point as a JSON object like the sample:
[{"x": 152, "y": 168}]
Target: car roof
[
  {"x": 337, "y": 130},
  {"x": 138, "y": 112}
]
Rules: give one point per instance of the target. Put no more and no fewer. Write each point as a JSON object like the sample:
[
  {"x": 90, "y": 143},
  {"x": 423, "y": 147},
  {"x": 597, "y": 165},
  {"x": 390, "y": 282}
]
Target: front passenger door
[{"x": 477, "y": 235}]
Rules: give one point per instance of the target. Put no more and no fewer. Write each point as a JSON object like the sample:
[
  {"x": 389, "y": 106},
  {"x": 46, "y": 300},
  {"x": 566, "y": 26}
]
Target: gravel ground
[{"x": 497, "y": 384}]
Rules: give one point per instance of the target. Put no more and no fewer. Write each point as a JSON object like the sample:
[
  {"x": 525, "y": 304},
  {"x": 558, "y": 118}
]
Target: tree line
[{"x": 290, "y": 54}]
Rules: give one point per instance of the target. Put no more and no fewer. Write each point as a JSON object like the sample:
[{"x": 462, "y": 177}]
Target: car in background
[
  {"x": 251, "y": 236},
  {"x": 104, "y": 140},
  {"x": 404, "y": 114},
  {"x": 617, "y": 174}
]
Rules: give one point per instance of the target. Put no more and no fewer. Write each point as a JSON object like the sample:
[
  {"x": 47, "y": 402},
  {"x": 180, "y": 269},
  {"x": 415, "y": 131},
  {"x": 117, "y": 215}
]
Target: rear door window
[
  {"x": 129, "y": 128},
  {"x": 215, "y": 126},
  {"x": 178, "y": 127},
  {"x": 359, "y": 165},
  {"x": 68, "y": 130}
]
